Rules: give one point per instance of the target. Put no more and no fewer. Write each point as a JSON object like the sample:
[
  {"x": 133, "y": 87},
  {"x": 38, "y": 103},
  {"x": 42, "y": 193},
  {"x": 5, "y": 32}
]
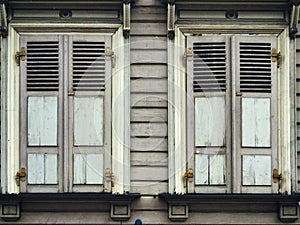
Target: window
[
  {"x": 229, "y": 120},
  {"x": 65, "y": 112},
  {"x": 232, "y": 111}
]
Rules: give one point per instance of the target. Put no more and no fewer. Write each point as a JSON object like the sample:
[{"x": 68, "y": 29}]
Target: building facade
[{"x": 150, "y": 111}]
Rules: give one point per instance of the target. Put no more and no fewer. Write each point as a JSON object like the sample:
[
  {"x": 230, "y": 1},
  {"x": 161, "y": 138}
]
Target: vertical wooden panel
[
  {"x": 42, "y": 121},
  {"x": 210, "y": 121},
  {"x": 201, "y": 169},
  {"x": 256, "y": 170},
  {"x": 94, "y": 169},
  {"x": 50, "y": 169},
  {"x": 217, "y": 169},
  {"x": 248, "y": 170},
  {"x": 256, "y": 122},
  {"x": 36, "y": 169},
  {"x": 88, "y": 120},
  {"x": 79, "y": 168},
  {"x": 263, "y": 170}
]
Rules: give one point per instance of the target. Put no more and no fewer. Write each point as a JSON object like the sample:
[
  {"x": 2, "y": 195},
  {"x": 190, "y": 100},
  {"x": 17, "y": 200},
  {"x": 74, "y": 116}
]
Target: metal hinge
[
  {"x": 276, "y": 176},
  {"x": 188, "y": 54},
  {"x": 276, "y": 57},
  {"x": 109, "y": 177},
  {"x": 20, "y": 55},
  {"x": 189, "y": 175},
  {"x": 21, "y": 176},
  {"x": 110, "y": 55}
]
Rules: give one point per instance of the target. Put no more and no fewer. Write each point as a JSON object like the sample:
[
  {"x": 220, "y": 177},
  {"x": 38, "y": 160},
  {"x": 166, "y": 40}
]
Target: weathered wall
[{"x": 149, "y": 151}]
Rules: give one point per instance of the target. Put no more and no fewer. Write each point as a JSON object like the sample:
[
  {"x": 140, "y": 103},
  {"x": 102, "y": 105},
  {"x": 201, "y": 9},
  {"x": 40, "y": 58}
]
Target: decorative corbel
[
  {"x": 294, "y": 18},
  {"x": 171, "y": 19},
  {"x": 126, "y": 18},
  {"x": 3, "y": 20}
]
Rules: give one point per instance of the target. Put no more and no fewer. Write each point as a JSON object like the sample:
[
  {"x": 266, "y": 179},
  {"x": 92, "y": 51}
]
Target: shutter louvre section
[
  {"x": 209, "y": 69},
  {"x": 255, "y": 67},
  {"x": 42, "y": 66},
  {"x": 88, "y": 66}
]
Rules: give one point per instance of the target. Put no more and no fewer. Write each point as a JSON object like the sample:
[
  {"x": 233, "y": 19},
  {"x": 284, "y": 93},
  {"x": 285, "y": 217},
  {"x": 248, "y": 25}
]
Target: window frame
[
  {"x": 120, "y": 98},
  {"x": 177, "y": 103}
]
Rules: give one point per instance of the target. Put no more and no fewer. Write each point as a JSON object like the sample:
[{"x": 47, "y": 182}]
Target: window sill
[{"x": 286, "y": 206}]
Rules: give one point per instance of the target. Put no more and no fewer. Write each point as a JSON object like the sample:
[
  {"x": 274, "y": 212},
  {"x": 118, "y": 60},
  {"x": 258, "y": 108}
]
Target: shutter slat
[
  {"x": 255, "y": 67},
  {"x": 209, "y": 66},
  {"x": 88, "y": 66},
  {"x": 42, "y": 67}
]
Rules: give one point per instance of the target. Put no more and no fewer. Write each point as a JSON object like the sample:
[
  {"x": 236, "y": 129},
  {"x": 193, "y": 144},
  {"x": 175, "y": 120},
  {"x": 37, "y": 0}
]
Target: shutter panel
[
  {"x": 42, "y": 66},
  {"x": 209, "y": 66},
  {"x": 90, "y": 107},
  {"x": 65, "y": 78},
  {"x": 255, "y": 67},
  {"x": 41, "y": 75},
  {"x": 249, "y": 123},
  {"x": 88, "y": 65},
  {"x": 208, "y": 79},
  {"x": 256, "y": 146}
]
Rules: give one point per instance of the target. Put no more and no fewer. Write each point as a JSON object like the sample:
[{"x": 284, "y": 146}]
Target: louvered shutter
[
  {"x": 90, "y": 111},
  {"x": 232, "y": 113},
  {"x": 256, "y": 77},
  {"x": 65, "y": 113},
  {"x": 208, "y": 81},
  {"x": 41, "y": 102}
]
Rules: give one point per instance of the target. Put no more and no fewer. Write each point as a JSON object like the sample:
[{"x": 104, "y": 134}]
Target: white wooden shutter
[
  {"x": 256, "y": 82},
  {"x": 208, "y": 114},
  {"x": 66, "y": 113},
  {"x": 41, "y": 103},
  {"x": 90, "y": 112},
  {"x": 232, "y": 114}
]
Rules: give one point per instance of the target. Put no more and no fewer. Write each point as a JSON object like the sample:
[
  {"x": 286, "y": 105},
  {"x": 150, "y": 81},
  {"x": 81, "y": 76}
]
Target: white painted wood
[
  {"x": 287, "y": 147},
  {"x": 51, "y": 169},
  {"x": 149, "y": 158},
  {"x": 217, "y": 169},
  {"x": 178, "y": 104},
  {"x": 149, "y": 173},
  {"x": 149, "y": 100},
  {"x": 149, "y": 71},
  {"x": 146, "y": 187},
  {"x": 79, "y": 169},
  {"x": 146, "y": 115},
  {"x": 248, "y": 176},
  {"x": 259, "y": 128},
  {"x": 88, "y": 121},
  {"x": 263, "y": 15},
  {"x": 256, "y": 122},
  {"x": 144, "y": 42},
  {"x": 13, "y": 110},
  {"x": 210, "y": 121},
  {"x": 42, "y": 121},
  {"x": 148, "y": 14},
  {"x": 201, "y": 169},
  {"x": 256, "y": 170},
  {"x": 149, "y": 129},
  {"x": 143, "y": 85},
  {"x": 36, "y": 169},
  {"x": 148, "y": 56},
  {"x": 4, "y": 90},
  {"x": 121, "y": 113},
  {"x": 149, "y": 144},
  {"x": 94, "y": 169},
  {"x": 148, "y": 29}
]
